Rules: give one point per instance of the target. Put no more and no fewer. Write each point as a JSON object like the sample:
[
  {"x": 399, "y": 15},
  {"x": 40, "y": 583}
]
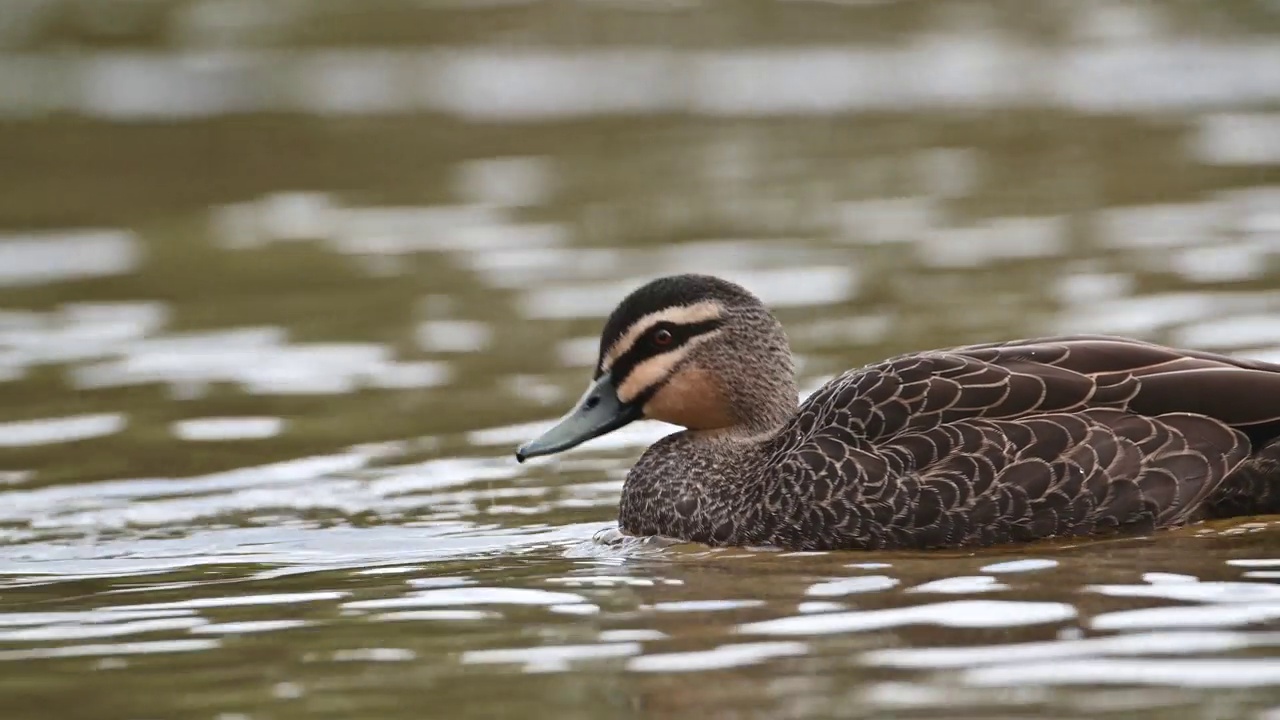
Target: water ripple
[
  {"x": 1199, "y": 673},
  {"x": 957, "y": 614},
  {"x": 280, "y": 428},
  {"x": 549, "y": 659},
  {"x": 469, "y": 596},
  {"x": 1151, "y": 643},
  {"x": 719, "y": 658}
]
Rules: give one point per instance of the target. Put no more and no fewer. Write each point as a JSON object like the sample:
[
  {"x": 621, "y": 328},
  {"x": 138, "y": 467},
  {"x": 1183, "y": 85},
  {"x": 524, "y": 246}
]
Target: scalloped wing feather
[
  {"x": 915, "y": 392},
  {"x": 984, "y": 481}
]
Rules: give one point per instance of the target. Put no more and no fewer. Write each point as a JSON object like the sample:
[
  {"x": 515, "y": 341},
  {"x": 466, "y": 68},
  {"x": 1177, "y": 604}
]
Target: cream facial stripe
[
  {"x": 653, "y": 371},
  {"x": 649, "y": 373},
  {"x": 680, "y": 315}
]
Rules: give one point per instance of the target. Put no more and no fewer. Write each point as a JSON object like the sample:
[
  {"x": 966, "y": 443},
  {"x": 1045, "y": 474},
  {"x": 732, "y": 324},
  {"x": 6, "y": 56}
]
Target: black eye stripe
[{"x": 646, "y": 348}]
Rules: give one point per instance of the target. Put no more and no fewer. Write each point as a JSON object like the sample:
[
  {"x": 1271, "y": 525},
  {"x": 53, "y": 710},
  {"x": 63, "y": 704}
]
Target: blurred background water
[{"x": 283, "y": 282}]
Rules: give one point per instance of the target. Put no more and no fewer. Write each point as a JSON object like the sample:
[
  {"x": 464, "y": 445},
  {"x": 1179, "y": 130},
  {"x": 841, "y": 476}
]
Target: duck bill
[{"x": 598, "y": 412}]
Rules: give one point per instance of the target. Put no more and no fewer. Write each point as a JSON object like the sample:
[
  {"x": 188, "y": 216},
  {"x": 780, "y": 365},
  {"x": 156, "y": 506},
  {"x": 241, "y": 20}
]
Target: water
[{"x": 282, "y": 285}]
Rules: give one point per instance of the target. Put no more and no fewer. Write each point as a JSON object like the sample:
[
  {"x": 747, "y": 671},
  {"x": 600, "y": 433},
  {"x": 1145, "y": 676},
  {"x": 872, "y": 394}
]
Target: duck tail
[{"x": 1252, "y": 489}]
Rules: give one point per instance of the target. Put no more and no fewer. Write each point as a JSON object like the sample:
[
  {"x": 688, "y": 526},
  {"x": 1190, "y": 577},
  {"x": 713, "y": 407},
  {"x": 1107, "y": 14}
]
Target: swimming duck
[{"x": 961, "y": 447}]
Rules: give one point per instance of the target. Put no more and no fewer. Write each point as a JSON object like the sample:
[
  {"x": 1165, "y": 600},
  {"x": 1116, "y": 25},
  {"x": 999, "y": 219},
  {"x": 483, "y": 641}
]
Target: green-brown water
[{"x": 283, "y": 284}]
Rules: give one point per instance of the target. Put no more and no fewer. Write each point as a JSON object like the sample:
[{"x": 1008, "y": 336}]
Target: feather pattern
[{"x": 978, "y": 445}]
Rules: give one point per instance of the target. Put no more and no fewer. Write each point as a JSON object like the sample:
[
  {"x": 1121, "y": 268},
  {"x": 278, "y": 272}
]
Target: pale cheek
[
  {"x": 692, "y": 400},
  {"x": 646, "y": 375}
]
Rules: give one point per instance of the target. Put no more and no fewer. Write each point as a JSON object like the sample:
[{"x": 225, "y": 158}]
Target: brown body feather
[{"x": 980, "y": 445}]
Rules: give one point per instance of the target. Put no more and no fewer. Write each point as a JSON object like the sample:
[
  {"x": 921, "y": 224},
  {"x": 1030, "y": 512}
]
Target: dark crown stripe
[
  {"x": 669, "y": 292},
  {"x": 645, "y": 349}
]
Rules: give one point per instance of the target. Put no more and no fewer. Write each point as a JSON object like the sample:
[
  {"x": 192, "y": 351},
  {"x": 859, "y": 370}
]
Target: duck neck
[
  {"x": 763, "y": 396},
  {"x": 762, "y": 416}
]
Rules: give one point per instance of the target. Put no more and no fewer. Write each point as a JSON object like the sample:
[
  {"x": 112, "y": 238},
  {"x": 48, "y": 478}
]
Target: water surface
[{"x": 283, "y": 285}]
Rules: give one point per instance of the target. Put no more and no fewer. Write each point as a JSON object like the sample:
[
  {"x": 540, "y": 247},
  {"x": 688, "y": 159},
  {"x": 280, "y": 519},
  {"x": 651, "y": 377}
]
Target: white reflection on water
[
  {"x": 260, "y": 362},
  {"x": 631, "y": 635},
  {"x": 1254, "y": 562},
  {"x": 786, "y": 287},
  {"x": 1086, "y": 287},
  {"x": 531, "y": 268},
  {"x": 1231, "y": 332},
  {"x": 507, "y": 181},
  {"x": 461, "y": 228},
  {"x": 446, "y": 597},
  {"x": 1143, "y": 315},
  {"x": 1019, "y": 566},
  {"x": 76, "y": 331},
  {"x": 378, "y": 654},
  {"x": 318, "y": 482},
  {"x": 956, "y": 614},
  {"x": 578, "y": 352},
  {"x": 850, "y": 586},
  {"x": 911, "y": 696},
  {"x": 438, "y": 615},
  {"x": 107, "y": 650},
  {"x": 99, "y": 630},
  {"x": 227, "y": 428},
  {"x": 36, "y": 259},
  {"x": 50, "y": 431},
  {"x": 1150, "y": 643},
  {"x": 120, "y": 502},
  {"x": 248, "y": 626},
  {"x": 1226, "y": 262},
  {"x": 1160, "y": 226},
  {"x": 481, "y": 228},
  {"x": 1185, "y": 673},
  {"x": 1238, "y": 139},
  {"x": 268, "y": 499},
  {"x": 1215, "y": 592},
  {"x": 992, "y": 241},
  {"x": 279, "y": 216},
  {"x": 291, "y": 549},
  {"x": 963, "y": 585},
  {"x": 1196, "y": 616},
  {"x": 1164, "y": 578},
  {"x": 878, "y": 221},
  {"x": 556, "y": 658},
  {"x": 121, "y": 341},
  {"x": 607, "y": 581},
  {"x": 454, "y": 336},
  {"x": 963, "y": 67},
  {"x": 88, "y": 617},
  {"x": 236, "y": 601},
  {"x": 724, "y": 656}
]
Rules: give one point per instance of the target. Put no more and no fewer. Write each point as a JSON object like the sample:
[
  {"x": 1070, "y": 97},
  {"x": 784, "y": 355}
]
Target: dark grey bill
[{"x": 599, "y": 411}]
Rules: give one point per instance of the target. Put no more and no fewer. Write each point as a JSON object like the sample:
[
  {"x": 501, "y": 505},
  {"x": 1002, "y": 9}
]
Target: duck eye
[{"x": 662, "y": 337}]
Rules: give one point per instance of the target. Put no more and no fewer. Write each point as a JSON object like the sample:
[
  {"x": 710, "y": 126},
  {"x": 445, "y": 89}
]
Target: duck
[{"x": 963, "y": 447}]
